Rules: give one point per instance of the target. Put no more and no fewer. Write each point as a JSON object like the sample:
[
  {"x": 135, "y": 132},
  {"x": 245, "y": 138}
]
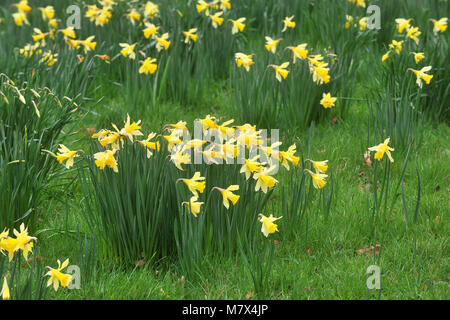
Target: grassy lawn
[{"x": 389, "y": 214}]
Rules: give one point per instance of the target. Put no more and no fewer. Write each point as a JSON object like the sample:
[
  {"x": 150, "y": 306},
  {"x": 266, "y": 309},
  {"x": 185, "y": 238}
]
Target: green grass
[{"x": 321, "y": 260}]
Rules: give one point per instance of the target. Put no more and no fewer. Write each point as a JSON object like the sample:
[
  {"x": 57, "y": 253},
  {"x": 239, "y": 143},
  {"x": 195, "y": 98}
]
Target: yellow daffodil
[
  {"x": 320, "y": 166},
  {"x": 128, "y": 50},
  {"x": 414, "y": 34},
  {"x": 363, "y": 23},
  {"x": 251, "y": 166},
  {"x": 299, "y": 52},
  {"x": 150, "y": 30},
  {"x": 22, "y": 6},
  {"x": 385, "y": 56},
  {"x": 89, "y": 44},
  {"x": 148, "y": 66},
  {"x": 421, "y": 75},
  {"x": 271, "y": 45},
  {"x": 149, "y": 145},
  {"x": 238, "y": 25},
  {"x": 151, "y": 10},
  {"x": 106, "y": 159},
  {"x": 244, "y": 60},
  {"x": 403, "y": 24},
  {"x": 439, "y": 25},
  {"x": 48, "y": 12},
  {"x": 225, "y": 5},
  {"x": 381, "y": 149},
  {"x": 190, "y": 35},
  {"x": 193, "y": 205},
  {"x": 327, "y": 100},
  {"x": 180, "y": 157},
  {"x": 65, "y": 154},
  {"x": 162, "y": 42},
  {"x": 418, "y": 56},
  {"x": 216, "y": 19},
  {"x": 396, "y": 45},
  {"x": 68, "y": 32},
  {"x": 5, "y": 290},
  {"x": 20, "y": 18},
  {"x": 195, "y": 184},
  {"x": 227, "y": 194},
  {"x": 289, "y": 156},
  {"x": 134, "y": 16},
  {"x": 24, "y": 241},
  {"x": 57, "y": 277},
  {"x": 318, "y": 179},
  {"x": 131, "y": 129},
  {"x": 264, "y": 180},
  {"x": 348, "y": 21},
  {"x": 288, "y": 23},
  {"x": 49, "y": 58},
  {"x": 280, "y": 71},
  {"x": 268, "y": 227}
]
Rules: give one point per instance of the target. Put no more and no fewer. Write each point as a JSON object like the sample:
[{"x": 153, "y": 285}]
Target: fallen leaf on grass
[
  {"x": 249, "y": 295},
  {"x": 370, "y": 249},
  {"x": 367, "y": 160}
]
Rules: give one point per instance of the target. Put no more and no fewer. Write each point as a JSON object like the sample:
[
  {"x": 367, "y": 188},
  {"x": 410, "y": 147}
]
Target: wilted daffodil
[
  {"x": 244, "y": 60},
  {"x": 128, "y": 50},
  {"x": 421, "y": 75},
  {"x": 318, "y": 179},
  {"x": 280, "y": 71},
  {"x": 227, "y": 194},
  {"x": 299, "y": 52},
  {"x": 148, "y": 66},
  {"x": 288, "y": 23},
  {"x": 193, "y": 205},
  {"x": 271, "y": 45},
  {"x": 190, "y": 35},
  {"x": 268, "y": 226},
  {"x": 381, "y": 149},
  {"x": 5, "y": 290},
  {"x": 65, "y": 154},
  {"x": 439, "y": 25},
  {"x": 57, "y": 277},
  {"x": 238, "y": 25},
  {"x": 327, "y": 100}
]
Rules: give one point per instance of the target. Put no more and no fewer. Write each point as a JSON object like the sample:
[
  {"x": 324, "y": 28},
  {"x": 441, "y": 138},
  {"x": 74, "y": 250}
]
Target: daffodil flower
[
  {"x": 65, "y": 154},
  {"x": 280, "y": 71},
  {"x": 193, "y": 205},
  {"x": 251, "y": 166},
  {"x": 414, "y": 34},
  {"x": 271, "y": 45},
  {"x": 288, "y": 23},
  {"x": 381, "y": 149},
  {"x": 421, "y": 75},
  {"x": 5, "y": 290},
  {"x": 128, "y": 50},
  {"x": 268, "y": 227},
  {"x": 238, "y": 25},
  {"x": 190, "y": 35},
  {"x": 162, "y": 42},
  {"x": 327, "y": 100},
  {"x": 148, "y": 66},
  {"x": 403, "y": 24},
  {"x": 318, "y": 179},
  {"x": 57, "y": 277},
  {"x": 106, "y": 159},
  {"x": 216, "y": 19},
  {"x": 439, "y": 25},
  {"x": 264, "y": 180},
  {"x": 243, "y": 60},
  {"x": 396, "y": 45},
  {"x": 418, "y": 56},
  {"x": 299, "y": 52},
  {"x": 320, "y": 166},
  {"x": 150, "y": 30},
  {"x": 227, "y": 195}
]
